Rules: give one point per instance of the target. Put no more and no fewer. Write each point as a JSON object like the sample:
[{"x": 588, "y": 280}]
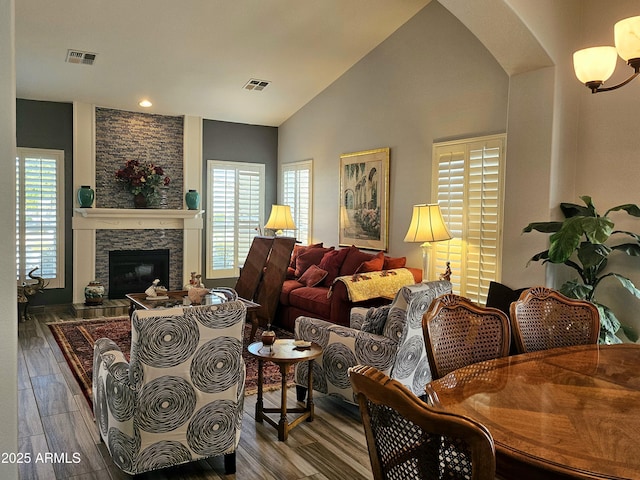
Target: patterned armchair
[
  {"x": 181, "y": 396},
  {"x": 398, "y": 350}
]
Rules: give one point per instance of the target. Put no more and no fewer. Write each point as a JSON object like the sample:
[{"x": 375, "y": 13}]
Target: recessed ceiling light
[{"x": 145, "y": 103}]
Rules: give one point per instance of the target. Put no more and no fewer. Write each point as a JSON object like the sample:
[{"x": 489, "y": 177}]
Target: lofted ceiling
[{"x": 194, "y": 57}]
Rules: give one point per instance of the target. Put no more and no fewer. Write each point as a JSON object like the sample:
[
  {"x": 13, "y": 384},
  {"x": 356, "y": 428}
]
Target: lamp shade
[
  {"x": 280, "y": 218},
  {"x": 427, "y": 225},
  {"x": 627, "y": 37},
  {"x": 595, "y": 63}
]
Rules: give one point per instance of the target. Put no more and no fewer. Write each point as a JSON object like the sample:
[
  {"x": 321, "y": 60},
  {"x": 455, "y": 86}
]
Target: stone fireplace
[{"x": 103, "y": 139}]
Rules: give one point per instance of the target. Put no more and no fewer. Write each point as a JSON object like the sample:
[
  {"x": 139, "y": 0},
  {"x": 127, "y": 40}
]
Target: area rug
[{"x": 76, "y": 339}]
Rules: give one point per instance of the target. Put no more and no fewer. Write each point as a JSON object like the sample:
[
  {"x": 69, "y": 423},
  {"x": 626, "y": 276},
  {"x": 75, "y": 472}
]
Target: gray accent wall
[
  {"x": 50, "y": 125},
  {"x": 239, "y": 142},
  {"x": 432, "y": 80}
]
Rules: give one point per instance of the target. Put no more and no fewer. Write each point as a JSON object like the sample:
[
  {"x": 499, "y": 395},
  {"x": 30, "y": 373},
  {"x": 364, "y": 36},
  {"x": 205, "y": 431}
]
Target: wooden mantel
[{"x": 136, "y": 218}]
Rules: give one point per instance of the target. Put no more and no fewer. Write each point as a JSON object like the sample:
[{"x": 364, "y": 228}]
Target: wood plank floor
[{"x": 55, "y": 418}]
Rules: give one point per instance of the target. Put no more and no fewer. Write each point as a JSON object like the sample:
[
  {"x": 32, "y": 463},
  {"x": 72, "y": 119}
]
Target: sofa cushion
[
  {"x": 373, "y": 265},
  {"x": 287, "y": 287},
  {"x": 314, "y": 275},
  {"x": 375, "y": 320},
  {"x": 331, "y": 262},
  {"x": 311, "y": 256},
  {"x": 312, "y": 299},
  {"x": 354, "y": 259},
  {"x": 299, "y": 250},
  {"x": 394, "y": 262}
]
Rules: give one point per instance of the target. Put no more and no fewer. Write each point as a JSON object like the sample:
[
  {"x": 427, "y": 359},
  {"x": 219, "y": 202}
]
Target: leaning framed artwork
[{"x": 364, "y": 199}]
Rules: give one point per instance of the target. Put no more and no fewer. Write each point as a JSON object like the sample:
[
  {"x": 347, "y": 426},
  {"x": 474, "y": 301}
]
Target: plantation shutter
[
  {"x": 40, "y": 215},
  {"x": 235, "y": 213},
  {"x": 469, "y": 178},
  {"x": 296, "y": 192}
]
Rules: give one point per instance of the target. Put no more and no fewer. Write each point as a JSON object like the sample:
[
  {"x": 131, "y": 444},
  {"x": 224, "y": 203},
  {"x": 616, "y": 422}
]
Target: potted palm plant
[{"x": 580, "y": 242}]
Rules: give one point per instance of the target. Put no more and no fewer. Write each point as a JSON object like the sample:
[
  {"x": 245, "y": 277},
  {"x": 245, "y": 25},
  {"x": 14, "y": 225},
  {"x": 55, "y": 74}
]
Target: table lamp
[
  {"x": 280, "y": 219},
  {"x": 427, "y": 225}
]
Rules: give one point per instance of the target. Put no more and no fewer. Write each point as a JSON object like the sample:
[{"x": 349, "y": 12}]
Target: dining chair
[
  {"x": 543, "y": 318},
  {"x": 458, "y": 332},
  {"x": 408, "y": 439}
]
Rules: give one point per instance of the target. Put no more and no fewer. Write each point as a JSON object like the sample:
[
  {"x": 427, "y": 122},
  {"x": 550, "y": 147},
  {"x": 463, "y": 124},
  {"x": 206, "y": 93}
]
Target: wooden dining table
[{"x": 565, "y": 413}]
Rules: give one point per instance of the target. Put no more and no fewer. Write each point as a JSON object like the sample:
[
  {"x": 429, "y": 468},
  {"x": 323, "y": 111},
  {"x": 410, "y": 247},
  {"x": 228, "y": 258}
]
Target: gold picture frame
[{"x": 364, "y": 199}]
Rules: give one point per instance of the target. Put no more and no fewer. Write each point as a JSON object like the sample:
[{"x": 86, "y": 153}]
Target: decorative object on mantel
[
  {"x": 85, "y": 196},
  {"x": 28, "y": 290},
  {"x": 194, "y": 282},
  {"x": 145, "y": 181},
  {"x": 192, "y": 198},
  {"x": 156, "y": 291},
  {"x": 93, "y": 293}
]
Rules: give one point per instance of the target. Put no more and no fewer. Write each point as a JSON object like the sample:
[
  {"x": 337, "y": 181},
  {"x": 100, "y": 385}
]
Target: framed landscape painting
[{"x": 364, "y": 199}]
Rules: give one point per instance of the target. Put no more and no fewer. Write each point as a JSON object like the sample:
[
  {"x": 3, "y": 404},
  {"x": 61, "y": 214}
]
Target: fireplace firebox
[{"x": 133, "y": 271}]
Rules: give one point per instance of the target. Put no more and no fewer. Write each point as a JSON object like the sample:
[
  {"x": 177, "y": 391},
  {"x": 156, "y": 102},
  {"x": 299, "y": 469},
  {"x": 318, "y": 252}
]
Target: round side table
[{"x": 284, "y": 354}]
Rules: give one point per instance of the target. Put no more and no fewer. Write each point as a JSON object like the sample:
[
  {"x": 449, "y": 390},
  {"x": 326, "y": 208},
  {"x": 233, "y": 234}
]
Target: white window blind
[
  {"x": 297, "y": 180},
  {"x": 235, "y": 212},
  {"x": 469, "y": 186},
  {"x": 40, "y": 214}
]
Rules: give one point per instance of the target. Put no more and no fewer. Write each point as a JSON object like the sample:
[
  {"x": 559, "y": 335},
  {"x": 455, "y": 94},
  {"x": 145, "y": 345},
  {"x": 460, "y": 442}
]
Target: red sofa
[{"x": 311, "y": 288}]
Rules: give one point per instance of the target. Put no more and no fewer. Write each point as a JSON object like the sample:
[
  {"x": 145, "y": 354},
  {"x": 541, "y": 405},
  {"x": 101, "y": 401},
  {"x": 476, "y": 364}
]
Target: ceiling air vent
[
  {"x": 78, "y": 56},
  {"x": 256, "y": 85}
]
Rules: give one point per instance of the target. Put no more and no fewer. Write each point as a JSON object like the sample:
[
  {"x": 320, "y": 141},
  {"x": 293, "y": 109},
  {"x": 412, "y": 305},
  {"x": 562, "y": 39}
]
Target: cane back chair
[
  {"x": 458, "y": 332},
  {"x": 543, "y": 318},
  {"x": 407, "y": 439}
]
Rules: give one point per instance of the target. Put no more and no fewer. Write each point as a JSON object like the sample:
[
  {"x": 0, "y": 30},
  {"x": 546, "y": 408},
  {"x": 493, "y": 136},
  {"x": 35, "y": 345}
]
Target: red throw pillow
[
  {"x": 354, "y": 259},
  {"x": 331, "y": 262},
  {"x": 394, "y": 262},
  {"x": 299, "y": 250},
  {"x": 373, "y": 265},
  {"x": 313, "y": 276},
  {"x": 311, "y": 257}
]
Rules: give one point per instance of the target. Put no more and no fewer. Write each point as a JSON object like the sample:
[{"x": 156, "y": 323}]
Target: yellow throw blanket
[{"x": 385, "y": 283}]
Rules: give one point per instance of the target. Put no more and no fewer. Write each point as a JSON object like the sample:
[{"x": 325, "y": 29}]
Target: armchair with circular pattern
[{"x": 181, "y": 396}]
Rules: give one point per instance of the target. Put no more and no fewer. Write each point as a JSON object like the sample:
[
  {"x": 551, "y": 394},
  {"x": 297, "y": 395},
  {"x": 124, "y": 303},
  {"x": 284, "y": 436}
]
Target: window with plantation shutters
[
  {"x": 469, "y": 187},
  {"x": 297, "y": 180},
  {"x": 235, "y": 213},
  {"x": 40, "y": 215}
]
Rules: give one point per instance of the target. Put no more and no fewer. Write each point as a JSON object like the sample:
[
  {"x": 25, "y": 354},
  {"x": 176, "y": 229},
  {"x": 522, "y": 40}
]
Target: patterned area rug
[{"x": 76, "y": 339}]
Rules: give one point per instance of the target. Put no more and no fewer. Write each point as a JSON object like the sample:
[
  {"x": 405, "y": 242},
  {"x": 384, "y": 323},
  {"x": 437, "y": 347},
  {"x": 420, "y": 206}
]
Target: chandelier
[{"x": 594, "y": 66}]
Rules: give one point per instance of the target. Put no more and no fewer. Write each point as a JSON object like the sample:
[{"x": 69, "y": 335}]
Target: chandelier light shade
[
  {"x": 594, "y": 65},
  {"x": 280, "y": 219},
  {"x": 427, "y": 226}
]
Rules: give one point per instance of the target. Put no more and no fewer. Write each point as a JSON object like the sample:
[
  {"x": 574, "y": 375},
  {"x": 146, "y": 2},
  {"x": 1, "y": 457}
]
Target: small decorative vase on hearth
[
  {"x": 192, "y": 198},
  {"x": 85, "y": 196},
  {"x": 93, "y": 293}
]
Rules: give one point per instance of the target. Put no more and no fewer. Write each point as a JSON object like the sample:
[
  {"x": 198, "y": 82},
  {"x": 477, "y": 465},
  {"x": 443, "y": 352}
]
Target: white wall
[
  {"x": 430, "y": 81},
  {"x": 9, "y": 319},
  {"x": 609, "y": 150}
]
